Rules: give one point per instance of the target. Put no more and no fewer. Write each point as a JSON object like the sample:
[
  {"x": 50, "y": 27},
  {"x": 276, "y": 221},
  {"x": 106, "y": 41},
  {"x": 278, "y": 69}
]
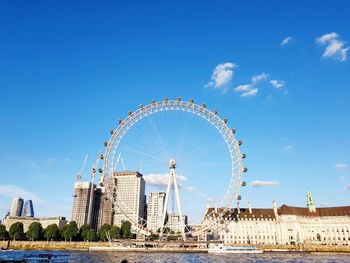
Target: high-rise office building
[
  {"x": 16, "y": 207},
  {"x": 81, "y": 203},
  {"x": 174, "y": 222},
  {"x": 155, "y": 210},
  {"x": 28, "y": 210},
  {"x": 102, "y": 208},
  {"x": 129, "y": 191}
]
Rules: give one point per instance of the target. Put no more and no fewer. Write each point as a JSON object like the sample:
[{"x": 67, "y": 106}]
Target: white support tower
[{"x": 172, "y": 181}]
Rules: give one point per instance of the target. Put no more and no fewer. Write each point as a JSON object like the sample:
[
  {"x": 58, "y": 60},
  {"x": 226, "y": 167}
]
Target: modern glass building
[{"x": 28, "y": 210}]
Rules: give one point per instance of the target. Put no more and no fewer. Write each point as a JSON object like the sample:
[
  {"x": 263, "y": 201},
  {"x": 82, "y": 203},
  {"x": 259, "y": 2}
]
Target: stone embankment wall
[
  {"x": 62, "y": 245},
  {"x": 52, "y": 245}
]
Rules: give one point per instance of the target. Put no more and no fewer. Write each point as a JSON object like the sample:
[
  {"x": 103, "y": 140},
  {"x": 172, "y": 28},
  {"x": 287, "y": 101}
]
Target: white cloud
[
  {"x": 264, "y": 183},
  {"x": 324, "y": 204},
  {"x": 250, "y": 93},
  {"x": 278, "y": 84},
  {"x": 335, "y": 48},
  {"x": 326, "y": 38},
  {"x": 288, "y": 147},
  {"x": 161, "y": 180},
  {"x": 341, "y": 165},
  {"x": 17, "y": 191},
  {"x": 260, "y": 77},
  {"x": 348, "y": 187},
  {"x": 286, "y": 41},
  {"x": 222, "y": 76},
  {"x": 243, "y": 88}
]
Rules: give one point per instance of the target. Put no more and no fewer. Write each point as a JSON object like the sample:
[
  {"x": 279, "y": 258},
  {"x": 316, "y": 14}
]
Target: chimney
[{"x": 250, "y": 207}]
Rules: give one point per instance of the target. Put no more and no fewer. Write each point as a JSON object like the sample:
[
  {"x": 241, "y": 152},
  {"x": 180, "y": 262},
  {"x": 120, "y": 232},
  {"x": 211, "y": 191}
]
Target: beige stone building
[
  {"x": 283, "y": 225},
  {"x": 26, "y": 221}
]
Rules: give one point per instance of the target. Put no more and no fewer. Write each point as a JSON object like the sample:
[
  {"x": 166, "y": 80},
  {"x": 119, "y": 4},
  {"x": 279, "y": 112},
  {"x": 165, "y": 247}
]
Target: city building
[
  {"x": 102, "y": 212},
  {"x": 16, "y": 207},
  {"x": 283, "y": 225},
  {"x": 28, "y": 210},
  {"x": 155, "y": 210},
  {"x": 81, "y": 202},
  {"x": 175, "y": 224},
  {"x": 26, "y": 221},
  {"x": 129, "y": 192}
]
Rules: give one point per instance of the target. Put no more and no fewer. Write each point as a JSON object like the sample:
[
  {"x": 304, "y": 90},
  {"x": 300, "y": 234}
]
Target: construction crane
[{"x": 80, "y": 173}]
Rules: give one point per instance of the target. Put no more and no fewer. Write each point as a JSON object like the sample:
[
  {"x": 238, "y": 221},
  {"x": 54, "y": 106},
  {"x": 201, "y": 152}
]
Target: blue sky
[{"x": 69, "y": 71}]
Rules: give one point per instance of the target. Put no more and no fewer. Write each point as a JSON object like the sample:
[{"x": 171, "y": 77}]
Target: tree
[
  {"x": 83, "y": 231},
  {"x": 102, "y": 233},
  {"x": 16, "y": 231},
  {"x": 114, "y": 232},
  {"x": 125, "y": 230},
  {"x": 90, "y": 235},
  {"x": 62, "y": 232},
  {"x": 35, "y": 231},
  {"x": 51, "y": 232},
  {"x": 4, "y": 235},
  {"x": 71, "y": 231}
]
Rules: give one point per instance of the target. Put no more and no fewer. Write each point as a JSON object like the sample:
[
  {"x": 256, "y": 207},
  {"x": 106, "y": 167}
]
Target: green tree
[
  {"x": 71, "y": 231},
  {"x": 4, "y": 235},
  {"x": 125, "y": 230},
  {"x": 102, "y": 233},
  {"x": 114, "y": 232},
  {"x": 52, "y": 232},
  {"x": 62, "y": 232},
  {"x": 16, "y": 231},
  {"x": 90, "y": 235},
  {"x": 35, "y": 231},
  {"x": 83, "y": 231}
]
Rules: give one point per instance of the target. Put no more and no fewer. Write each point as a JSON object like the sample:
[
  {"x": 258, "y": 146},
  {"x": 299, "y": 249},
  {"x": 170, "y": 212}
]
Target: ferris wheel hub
[{"x": 172, "y": 163}]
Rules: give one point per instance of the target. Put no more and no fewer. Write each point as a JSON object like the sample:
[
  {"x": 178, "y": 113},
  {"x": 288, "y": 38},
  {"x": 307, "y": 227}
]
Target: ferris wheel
[{"x": 230, "y": 197}]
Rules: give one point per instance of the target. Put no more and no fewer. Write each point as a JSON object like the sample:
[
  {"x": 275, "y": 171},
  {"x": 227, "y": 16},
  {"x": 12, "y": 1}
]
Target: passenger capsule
[
  {"x": 239, "y": 143},
  {"x": 111, "y": 132},
  {"x": 166, "y": 99},
  {"x": 239, "y": 197},
  {"x": 245, "y": 170},
  {"x": 225, "y": 120},
  {"x": 129, "y": 113},
  {"x": 191, "y": 101},
  {"x": 244, "y": 156},
  {"x": 233, "y": 131},
  {"x": 215, "y": 112},
  {"x": 153, "y": 101},
  {"x": 100, "y": 170},
  {"x": 120, "y": 122},
  {"x": 178, "y": 99},
  {"x": 244, "y": 183},
  {"x": 101, "y": 156},
  {"x": 203, "y": 105},
  {"x": 141, "y": 106},
  {"x": 93, "y": 170},
  {"x": 105, "y": 144}
]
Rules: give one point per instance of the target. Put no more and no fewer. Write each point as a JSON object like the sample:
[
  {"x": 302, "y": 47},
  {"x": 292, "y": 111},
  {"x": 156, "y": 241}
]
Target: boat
[{"x": 220, "y": 248}]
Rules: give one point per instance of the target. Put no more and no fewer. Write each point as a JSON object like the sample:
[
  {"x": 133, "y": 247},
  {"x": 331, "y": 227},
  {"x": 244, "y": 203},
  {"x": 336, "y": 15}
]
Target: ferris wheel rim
[{"x": 237, "y": 169}]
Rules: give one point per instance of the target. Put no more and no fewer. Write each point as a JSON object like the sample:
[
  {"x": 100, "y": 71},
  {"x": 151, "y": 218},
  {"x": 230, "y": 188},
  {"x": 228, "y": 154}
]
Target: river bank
[{"x": 105, "y": 246}]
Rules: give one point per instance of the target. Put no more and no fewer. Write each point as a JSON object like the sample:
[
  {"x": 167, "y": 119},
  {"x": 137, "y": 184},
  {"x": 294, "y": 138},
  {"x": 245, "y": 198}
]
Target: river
[{"x": 130, "y": 257}]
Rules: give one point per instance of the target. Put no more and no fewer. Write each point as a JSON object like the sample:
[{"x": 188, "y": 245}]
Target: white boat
[{"x": 220, "y": 248}]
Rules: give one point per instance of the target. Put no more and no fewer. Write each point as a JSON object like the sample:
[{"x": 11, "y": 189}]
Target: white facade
[
  {"x": 284, "y": 225},
  {"x": 130, "y": 197},
  {"x": 155, "y": 210}
]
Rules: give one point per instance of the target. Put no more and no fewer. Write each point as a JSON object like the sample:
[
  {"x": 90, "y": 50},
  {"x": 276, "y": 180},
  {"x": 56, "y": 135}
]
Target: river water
[{"x": 73, "y": 256}]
